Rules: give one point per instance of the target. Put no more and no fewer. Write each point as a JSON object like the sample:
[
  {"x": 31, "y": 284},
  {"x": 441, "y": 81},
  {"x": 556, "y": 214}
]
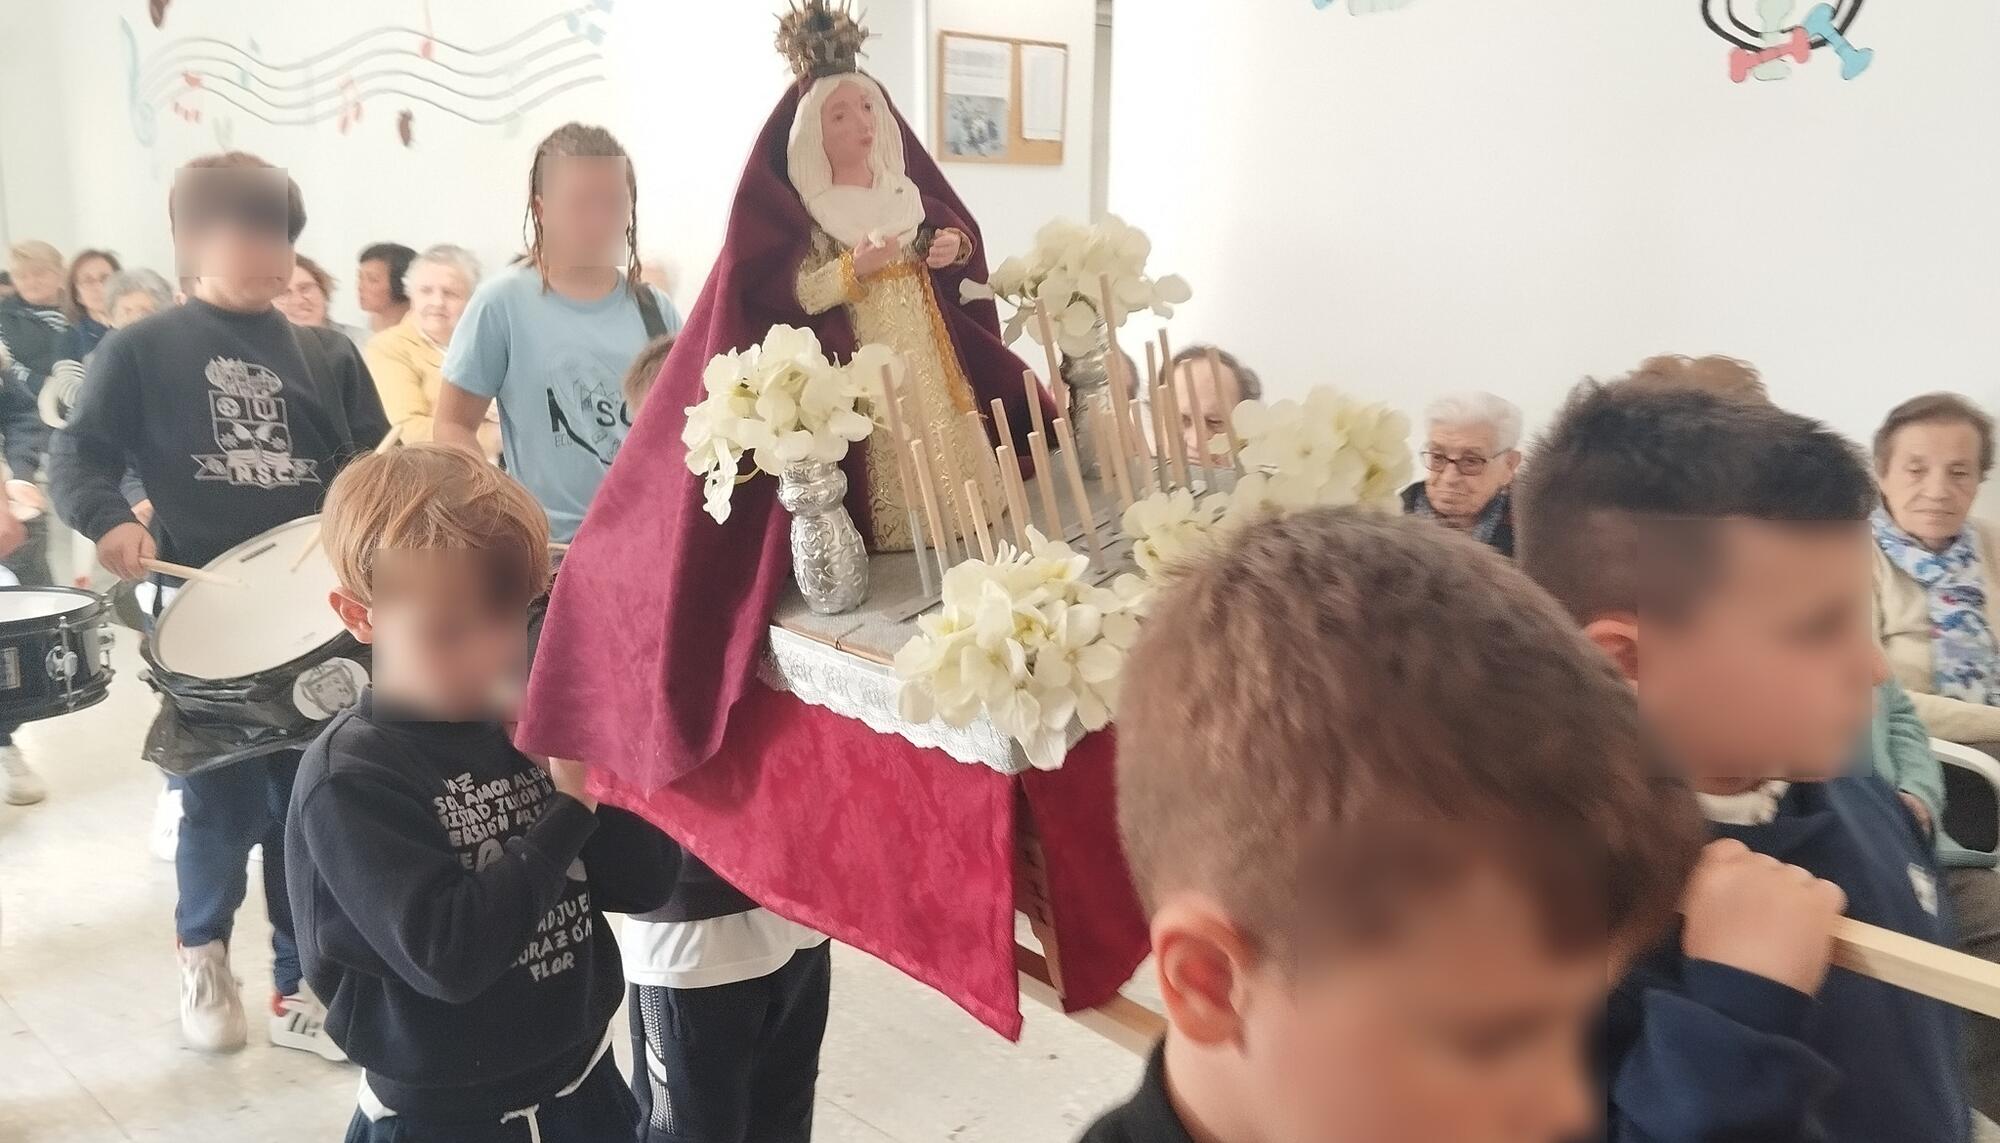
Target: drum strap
[{"x": 318, "y": 369}]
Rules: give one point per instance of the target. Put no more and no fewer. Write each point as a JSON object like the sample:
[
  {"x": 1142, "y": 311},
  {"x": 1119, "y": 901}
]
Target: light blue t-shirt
[{"x": 555, "y": 367}]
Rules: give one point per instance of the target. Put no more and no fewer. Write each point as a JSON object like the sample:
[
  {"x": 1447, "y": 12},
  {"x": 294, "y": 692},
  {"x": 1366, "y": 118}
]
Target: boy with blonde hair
[
  {"x": 450, "y": 892},
  {"x": 1391, "y": 818}
]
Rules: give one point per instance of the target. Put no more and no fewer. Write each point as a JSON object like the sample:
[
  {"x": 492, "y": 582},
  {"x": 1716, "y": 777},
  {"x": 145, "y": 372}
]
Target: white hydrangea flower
[
  {"x": 1166, "y": 527},
  {"x": 1026, "y": 640},
  {"x": 1062, "y": 274},
  {"x": 779, "y": 402}
]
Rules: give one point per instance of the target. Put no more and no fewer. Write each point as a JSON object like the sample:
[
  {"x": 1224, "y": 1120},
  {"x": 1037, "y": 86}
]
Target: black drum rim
[{"x": 93, "y": 610}]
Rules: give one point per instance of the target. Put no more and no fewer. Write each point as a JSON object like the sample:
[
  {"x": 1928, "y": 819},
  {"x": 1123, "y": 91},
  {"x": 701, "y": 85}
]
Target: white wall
[
  {"x": 688, "y": 87},
  {"x": 1513, "y": 195},
  {"x": 1012, "y": 201}
]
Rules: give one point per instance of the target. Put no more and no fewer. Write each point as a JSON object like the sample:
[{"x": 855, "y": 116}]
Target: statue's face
[{"x": 847, "y": 125}]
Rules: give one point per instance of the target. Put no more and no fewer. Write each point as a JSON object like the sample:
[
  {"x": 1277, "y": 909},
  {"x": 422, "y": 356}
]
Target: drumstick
[
  {"x": 1075, "y": 473},
  {"x": 558, "y": 546},
  {"x": 1045, "y": 480},
  {"x": 195, "y": 575},
  {"x": 1057, "y": 385},
  {"x": 1017, "y": 493},
  {"x": 1228, "y": 414},
  {"x": 979, "y": 523},
  {"x": 387, "y": 442},
  {"x": 1917, "y": 966}
]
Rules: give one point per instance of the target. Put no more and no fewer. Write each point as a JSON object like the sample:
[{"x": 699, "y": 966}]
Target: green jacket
[{"x": 1902, "y": 752}]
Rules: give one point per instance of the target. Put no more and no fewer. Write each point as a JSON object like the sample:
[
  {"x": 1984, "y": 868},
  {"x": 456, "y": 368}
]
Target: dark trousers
[
  {"x": 226, "y": 811},
  {"x": 600, "y": 1110},
  {"x": 1975, "y": 903},
  {"x": 735, "y": 1063}
]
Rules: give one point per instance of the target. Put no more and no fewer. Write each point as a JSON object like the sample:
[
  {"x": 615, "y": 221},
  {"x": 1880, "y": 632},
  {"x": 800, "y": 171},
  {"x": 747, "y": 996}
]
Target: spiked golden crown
[{"x": 820, "y": 38}]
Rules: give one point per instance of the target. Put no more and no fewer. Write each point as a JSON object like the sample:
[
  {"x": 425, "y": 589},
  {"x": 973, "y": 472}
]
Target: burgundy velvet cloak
[{"x": 660, "y": 613}]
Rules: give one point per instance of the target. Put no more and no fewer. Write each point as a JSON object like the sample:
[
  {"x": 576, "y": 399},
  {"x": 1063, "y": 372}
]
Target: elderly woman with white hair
[
  {"x": 1471, "y": 452},
  {"x": 407, "y": 359}
]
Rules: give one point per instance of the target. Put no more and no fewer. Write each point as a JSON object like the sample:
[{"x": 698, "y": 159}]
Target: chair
[{"x": 1971, "y": 795}]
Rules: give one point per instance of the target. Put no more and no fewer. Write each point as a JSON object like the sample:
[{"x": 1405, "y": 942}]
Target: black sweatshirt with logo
[
  {"x": 235, "y": 423},
  {"x": 449, "y": 907}
]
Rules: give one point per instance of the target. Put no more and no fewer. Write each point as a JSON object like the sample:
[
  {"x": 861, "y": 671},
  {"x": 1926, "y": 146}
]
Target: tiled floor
[{"x": 90, "y": 1049}]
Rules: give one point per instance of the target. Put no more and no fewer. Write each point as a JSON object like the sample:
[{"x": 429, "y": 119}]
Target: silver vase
[
  {"x": 1089, "y": 379},
  {"x": 828, "y": 558}
]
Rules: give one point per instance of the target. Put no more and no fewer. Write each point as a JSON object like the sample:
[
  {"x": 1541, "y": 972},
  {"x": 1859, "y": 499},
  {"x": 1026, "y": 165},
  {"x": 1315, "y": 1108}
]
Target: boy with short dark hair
[
  {"x": 235, "y": 421},
  {"x": 450, "y": 893},
  {"x": 1388, "y": 840},
  {"x": 1718, "y": 552}
]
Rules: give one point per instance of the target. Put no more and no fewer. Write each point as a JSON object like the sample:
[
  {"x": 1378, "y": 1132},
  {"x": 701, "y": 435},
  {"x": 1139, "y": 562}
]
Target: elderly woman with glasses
[{"x": 1471, "y": 451}]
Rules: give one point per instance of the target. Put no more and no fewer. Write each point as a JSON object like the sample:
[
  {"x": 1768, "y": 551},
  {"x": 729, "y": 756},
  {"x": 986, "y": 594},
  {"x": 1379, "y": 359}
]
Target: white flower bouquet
[
  {"x": 1027, "y": 640},
  {"x": 782, "y": 402},
  {"x": 1328, "y": 450},
  {"x": 1061, "y": 275}
]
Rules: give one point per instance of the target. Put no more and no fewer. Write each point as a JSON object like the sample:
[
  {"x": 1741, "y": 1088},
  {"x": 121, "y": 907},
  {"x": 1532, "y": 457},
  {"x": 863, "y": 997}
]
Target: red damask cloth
[{"x": 905, "y": 852}]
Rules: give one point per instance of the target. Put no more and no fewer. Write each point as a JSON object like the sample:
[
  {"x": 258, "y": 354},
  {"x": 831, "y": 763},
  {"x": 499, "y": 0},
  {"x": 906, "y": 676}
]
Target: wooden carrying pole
[{"x": 1918, "y": 966}]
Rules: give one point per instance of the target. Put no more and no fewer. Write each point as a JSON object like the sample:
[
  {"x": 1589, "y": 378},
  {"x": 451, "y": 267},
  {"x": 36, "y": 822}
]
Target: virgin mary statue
[{"x": 843, "y": 224}]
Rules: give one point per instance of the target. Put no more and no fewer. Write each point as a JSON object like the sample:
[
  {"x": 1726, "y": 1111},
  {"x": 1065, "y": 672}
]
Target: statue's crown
[{"x": 820, "y": 38}]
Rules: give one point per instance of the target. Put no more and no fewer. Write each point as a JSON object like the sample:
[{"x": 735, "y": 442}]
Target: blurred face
[
  {"x": 303, "y": 302},
  {"x": 90, "y": 279},
  {"x": 1455, "y": 494},
  {"x": 237, "y": 266},
  {"x": 1772, "y": 672},
  {"x": 1218, "y": 393},
  {"x": 371, "y": 286},
  {"x": 847, "y": 125},
  {"x": 438, "y": 294},
  {"x": 1464, "y": 1027},
  {"x": 131, "y": 307},
  {"x": 585, "y": 208},
  {"x": 440, "y": 648},
  {"x": 1931, "y": 479},
  {"x": 38, "y": 283}
]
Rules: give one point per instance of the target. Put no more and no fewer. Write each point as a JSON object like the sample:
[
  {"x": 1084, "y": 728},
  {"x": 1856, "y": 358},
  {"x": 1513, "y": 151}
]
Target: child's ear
[
  {"x": 353, "y": 615},
  {"x": 1204, "y": 966},
  {"x": 1618, "y": 637}
]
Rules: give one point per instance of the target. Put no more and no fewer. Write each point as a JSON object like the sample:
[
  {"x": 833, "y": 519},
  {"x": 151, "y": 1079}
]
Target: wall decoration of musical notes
[
  {"x": 1767, "y": 38},
  {"x": 491, "y": 83}
]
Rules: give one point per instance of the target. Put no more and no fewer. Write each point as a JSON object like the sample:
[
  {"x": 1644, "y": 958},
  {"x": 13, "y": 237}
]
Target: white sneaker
[
  {"x": 19, "y": 785},
  {"x": 211, "y": 1000},
  {"x": 299, "y": 1021},
  {"x": 165, "y": 837}
]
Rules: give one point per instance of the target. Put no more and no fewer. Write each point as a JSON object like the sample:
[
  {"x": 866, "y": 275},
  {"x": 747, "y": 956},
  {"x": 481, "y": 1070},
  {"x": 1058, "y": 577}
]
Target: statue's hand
[
  {"x": 872, "y": 256},
  {"x": 945, "y": 249}
]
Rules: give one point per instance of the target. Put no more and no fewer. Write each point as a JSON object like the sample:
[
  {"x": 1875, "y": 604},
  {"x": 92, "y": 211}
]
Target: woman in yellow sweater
[{"x": 407, "y": 359}]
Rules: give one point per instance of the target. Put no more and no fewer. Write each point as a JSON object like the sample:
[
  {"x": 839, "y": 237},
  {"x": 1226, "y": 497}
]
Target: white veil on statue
[{"x": 893, "y": 208}]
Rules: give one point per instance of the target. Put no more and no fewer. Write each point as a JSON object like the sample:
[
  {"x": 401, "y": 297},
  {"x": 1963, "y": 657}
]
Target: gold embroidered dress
[{"x": 897, "y": 306}]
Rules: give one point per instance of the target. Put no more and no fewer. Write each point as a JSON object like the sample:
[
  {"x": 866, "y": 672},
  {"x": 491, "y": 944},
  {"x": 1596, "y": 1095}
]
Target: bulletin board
[{"x": 1001, "y": 100}]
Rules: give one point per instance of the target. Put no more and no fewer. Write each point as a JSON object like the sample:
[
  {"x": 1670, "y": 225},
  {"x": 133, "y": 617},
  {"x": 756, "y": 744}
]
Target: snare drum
[
  {"x": 247, "y": 671},
  {"x": 55, "y": 652}
]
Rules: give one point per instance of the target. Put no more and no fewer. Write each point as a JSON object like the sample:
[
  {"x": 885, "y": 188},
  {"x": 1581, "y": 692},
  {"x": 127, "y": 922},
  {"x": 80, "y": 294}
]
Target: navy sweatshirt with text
[
  {"x": 450, "y": 905},
  {"x": 1696, "y": 1052}
]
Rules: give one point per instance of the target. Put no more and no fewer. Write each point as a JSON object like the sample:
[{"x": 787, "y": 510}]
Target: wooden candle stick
[
  {"x": 1176, "y": 439},
  {"x": 990, "y": 484},
  {"x": 921, "y": 461},
  {"x": 1057, "y": 386},
  {"x": 1017, "y": 499},
  {"x": 1104, "y": 424},
  {"x": 1045, "y": 480},
  {"x": 979, "y": 529},
  {"x": 1033, "y": 389},
  {"x": 892, "y": 408},
  {"x": 1126, "y": 429},
  {"x": 1076, "y": 490},
  {"x": 1199, "y": 410},
  {"x": 954, "y": 537},
  {"x": 1004, "y": 428},
  {"x": 1228, "y": 414},
  {"x": 1160, "y": 446}
]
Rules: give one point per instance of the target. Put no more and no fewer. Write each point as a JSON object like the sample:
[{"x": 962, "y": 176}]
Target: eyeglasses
[{"x": 1471, "y": 464}]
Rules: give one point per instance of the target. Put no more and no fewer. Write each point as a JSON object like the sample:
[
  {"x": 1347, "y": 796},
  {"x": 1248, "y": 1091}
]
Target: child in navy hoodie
[
  {"x": 449, "y": 892},
  {"x": 1718, "y": 551}
]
